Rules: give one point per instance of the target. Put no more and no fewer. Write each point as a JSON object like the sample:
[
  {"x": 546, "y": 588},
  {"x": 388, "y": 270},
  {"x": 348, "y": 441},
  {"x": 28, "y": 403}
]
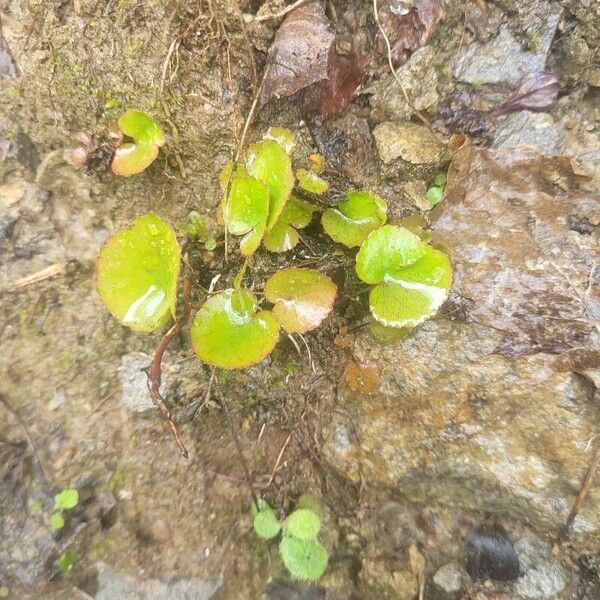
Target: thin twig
[
  {"x": 238, "y": 446},
  {"x": 415, "y": 112},
  {"x": 586, "y": 485},
  {"x": 154, "y": 370},
  {"x": 310, "y": 360},
  {"x": 287, "y": 441},
  {"x": 280, "y": 14}
]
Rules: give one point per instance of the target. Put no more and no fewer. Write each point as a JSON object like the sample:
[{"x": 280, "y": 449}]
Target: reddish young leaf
[{"x": 535, "y": 90}]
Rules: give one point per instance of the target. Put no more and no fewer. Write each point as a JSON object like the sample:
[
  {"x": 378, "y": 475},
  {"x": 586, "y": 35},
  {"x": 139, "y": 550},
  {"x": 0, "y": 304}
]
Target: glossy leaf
[
  {"x": 284, "y": 137},
  {"x": 229, "y": 330},
  {"x": 137, "y": 274},
  {"x": 304, "y": 559},
  {"x": 352, "y": 221},
  {"x": 283, "y": 236},
  {"x": 304, "y": 524},
  {"x": 385, "y": 252},
  {"x": 414, "y": 293},
  {"x": 247, "y": 211},
  {"x": 311, "y": 182},
  {"x": 266, "y": 524},
  {"x": 268, "y": 162},
  {"x": 302, "y": 298},
  {"x": 133, "y": 158}
]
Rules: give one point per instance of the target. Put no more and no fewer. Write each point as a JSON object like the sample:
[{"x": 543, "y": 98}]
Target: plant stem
[{"x": 153, "y": 372}]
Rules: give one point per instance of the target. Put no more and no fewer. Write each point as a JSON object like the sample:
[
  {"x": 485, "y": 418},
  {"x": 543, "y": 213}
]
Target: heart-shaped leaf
[
  {"x": 352, "y": 221},
  {"x": 415, "y": 293},
  {"x": 304, "y": 559},
  {"x": 229, "y": 330},
  {"x": 247, "y": 211},
  {"x": 137, "y": 274},
  {"x": 133, "y": 158},
  {"x": 386, "y": 251},
  {"x": 283, "y": 236},
  {"x": 304, "y": 524},
  {"x": 311, "y": 182},
  {"x": 302, "y": 298},
  {"x": 268, "y": 162}
]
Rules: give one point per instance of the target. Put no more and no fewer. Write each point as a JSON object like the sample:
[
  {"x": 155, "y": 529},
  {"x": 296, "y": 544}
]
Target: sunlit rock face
[{"x": 493, "y": 405}]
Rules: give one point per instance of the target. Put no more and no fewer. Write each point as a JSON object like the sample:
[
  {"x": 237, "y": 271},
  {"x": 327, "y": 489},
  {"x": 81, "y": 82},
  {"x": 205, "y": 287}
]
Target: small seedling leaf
[
  {"x": 386, "y": 251},
  {"x": 434, "y": 195},
  {"x": 283, "y": 236},
  {"x": 262, "y": 505},
  {"x": 311, "y": 182},
  {"x": 133, "y": 158},
  {"x": 137, "y": 274},
  {"x": 247, "y": 211},
  {"x": 302, "y": 298},
  {"x": 57, "y": 521},
  {"x": 229, "y": 330},
  {"x": 357, "y": 216},
  {"x": 304, "y": 524},
  {"x": 268, "y": 162},
  {"x": 415, "y": 293},
  {"x": 66, "y": 561},
  {"x": 266, "y": 524},
  {"x": 304, "y": 559},
  {"x": 67, "y": 499}
]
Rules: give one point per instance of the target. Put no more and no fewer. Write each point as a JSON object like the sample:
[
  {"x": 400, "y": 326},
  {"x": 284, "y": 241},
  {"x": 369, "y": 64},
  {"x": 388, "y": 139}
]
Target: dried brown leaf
[
  {"x": 300, "y": 53},
  {"x": 362, "y": 379}
]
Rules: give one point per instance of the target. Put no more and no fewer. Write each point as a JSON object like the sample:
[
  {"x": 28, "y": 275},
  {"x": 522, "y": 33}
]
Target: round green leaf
[
  {"x": 311, "y": 182},
  {"x": 137, "y": 274},
  {"x": 302, "y": 298},
  {"x": 385, "y": 251},
  {"x": 131, "y": 159},
  {"x": 268, "y": 162},
  {"x": 283, "y": 236},
  {"x": 284, "y": 137},
  {"x": 352, "y": 221},
  {"x": 229, "y": 331},
  {"x": 415, "y": 293},
  {"x": 57, "y": 521},
  {"x": 304, "y": 559},
  {"x": 67, "y": 499},
  {"x": 303, "y": 524},
  {"x": 266, "y": 524},
  {"x": 261, "y": 504},
  {"x": 434, "y": 195},
  {"x": 440, "y": 180},
  {"x": 247, "y": 211},
  {"x": 141, "y": 127}
]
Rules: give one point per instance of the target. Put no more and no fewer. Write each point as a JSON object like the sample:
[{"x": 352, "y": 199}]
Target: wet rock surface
[
  {"x": 536, "y": 130},
  {"x": 410, "y": 142}
]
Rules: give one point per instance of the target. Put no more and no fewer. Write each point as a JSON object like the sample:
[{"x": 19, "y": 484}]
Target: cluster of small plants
[
  {"x": 303, "y": 555},
  {"x": 139, "y": 267}
]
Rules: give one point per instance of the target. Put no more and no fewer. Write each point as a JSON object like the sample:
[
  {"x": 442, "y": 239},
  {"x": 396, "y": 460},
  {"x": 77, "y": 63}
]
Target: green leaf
[
  {"x": 303, "y": 524},
  {"x": 133, "y": 158},
  {"x": 266, "y": 524},
  {"x": 137, "y": 274},
  {"x": 66, "y": 561},
  {"x": 385, "y": 251},
  {"x": 440, "y": 180},
  {"x": 230, "y": 331},
  {"x": 268, "y": 162},
  {"x": 284, "y": 137},
  {"x": 352, "y": 221},
  {"x": 262, "y": 505},
  {"x": 311, "y": 182},
  {"x": 415, "y": 293},
  {"x": 434, "y": 195},
  {"x": 302, "y": 298},
  {"x": 57, "y": 521},
  {"x": 283, "y": 236},
  {"x": 247, "y": 211},
  {"x": 304, "y": 559},
  {"x": 67, "y": 499}
]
